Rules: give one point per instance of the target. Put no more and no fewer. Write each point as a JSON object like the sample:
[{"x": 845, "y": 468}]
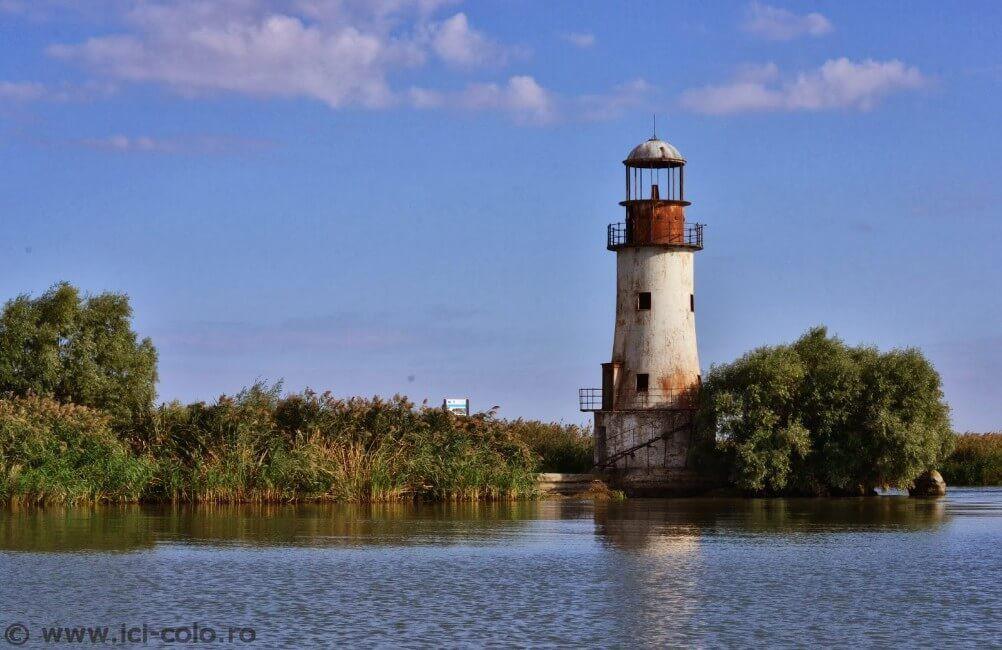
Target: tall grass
[
  {"x": 976, "y": 460},
  {"x": 259, "y": 446},
  {"x": 59, "y": 453},
  {"x": 560, "y": 447}
]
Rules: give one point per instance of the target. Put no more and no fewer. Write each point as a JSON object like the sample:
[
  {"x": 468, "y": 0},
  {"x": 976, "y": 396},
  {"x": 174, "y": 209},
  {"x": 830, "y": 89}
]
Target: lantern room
[
  {"x": 655, "y": 170},
  {"x": 655, "y": 200}
]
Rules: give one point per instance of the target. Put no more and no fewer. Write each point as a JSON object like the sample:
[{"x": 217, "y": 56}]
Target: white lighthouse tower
[{"x": 645, "y": 410}]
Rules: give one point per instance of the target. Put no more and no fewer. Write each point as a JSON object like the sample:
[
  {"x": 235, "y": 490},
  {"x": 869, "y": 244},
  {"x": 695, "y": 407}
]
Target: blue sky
[{"x": 411, "y": 196}]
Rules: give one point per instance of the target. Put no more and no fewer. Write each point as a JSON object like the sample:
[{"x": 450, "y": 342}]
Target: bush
[
  {"x": 820, "y": 417},
  {"x": 976, "y": 460},
  {"x": 77, "y": 350},
  {"x": 559, "y": 447},
  {"x": 57, "y": 453}
]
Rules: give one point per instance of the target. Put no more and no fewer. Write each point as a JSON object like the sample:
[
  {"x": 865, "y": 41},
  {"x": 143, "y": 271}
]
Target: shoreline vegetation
[
  {"x": 976, "y": 460},
  {"x": 819, "y": 417},
  {"x": 260, "y": 447},
  {"x": 79, "y": 424}
]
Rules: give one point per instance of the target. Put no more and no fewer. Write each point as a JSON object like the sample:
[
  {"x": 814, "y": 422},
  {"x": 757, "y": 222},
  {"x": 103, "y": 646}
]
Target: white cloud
[
  {"x": 42, "y": 10},
  {"x": 630, "y": 96},
  {"x": 201, "y": 145},
  {"x": 582, "y": 40},
  {"x": 521, "y": 97},
  {"x": 425, "y": 98},
  {"x": 527, "y": 102},
  {"x": 456, "y": 43},
  {"x": 757, "y": 72},
  {"x": 838, "y": 84},
  {"x": 22, "y": 91},
  {"x": 775, "y": 24},
  {"x": 344, "y": 53},
  {"x": 31, "y": 91},
  {"x": 197, "y": 48}
]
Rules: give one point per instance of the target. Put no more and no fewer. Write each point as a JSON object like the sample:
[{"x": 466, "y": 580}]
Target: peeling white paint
[{"x": 660, "y": 342}]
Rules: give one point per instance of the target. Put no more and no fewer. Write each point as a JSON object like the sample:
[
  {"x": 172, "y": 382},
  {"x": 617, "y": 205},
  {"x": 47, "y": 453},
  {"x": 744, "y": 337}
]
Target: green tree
[
  {"x": 821, "y": 417},
  {"x": 78, "y": 349}
]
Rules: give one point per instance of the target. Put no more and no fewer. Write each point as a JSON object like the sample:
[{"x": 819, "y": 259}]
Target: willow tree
[
  {"x": 821, "y": 417},
  {"x": 77, "y": 349}
]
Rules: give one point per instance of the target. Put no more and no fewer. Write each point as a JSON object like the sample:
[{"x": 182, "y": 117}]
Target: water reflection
[
  {"x": 654, "y": 525},
  {"x": 101, "y": 528},
  {"x": 685, "y": 566},
  {"x": 645, "y": 573},
  {"x": 135, "y": 527}
]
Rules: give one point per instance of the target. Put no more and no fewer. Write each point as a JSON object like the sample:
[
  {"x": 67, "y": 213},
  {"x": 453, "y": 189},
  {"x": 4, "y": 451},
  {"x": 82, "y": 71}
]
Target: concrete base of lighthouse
[{"x": 646, "y": 452}]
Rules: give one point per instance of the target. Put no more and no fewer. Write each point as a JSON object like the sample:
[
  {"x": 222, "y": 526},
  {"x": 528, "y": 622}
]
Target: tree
[
  {"x": 821, "y": 417},
  {"x": 79, "y": 350}
]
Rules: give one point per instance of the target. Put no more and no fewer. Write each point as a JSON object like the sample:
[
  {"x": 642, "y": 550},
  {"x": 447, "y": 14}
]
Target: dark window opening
[
  {"x": 692, "y": 302},
  {"x": 644, "y": 300},
  {"x": 642, "y": 380}
]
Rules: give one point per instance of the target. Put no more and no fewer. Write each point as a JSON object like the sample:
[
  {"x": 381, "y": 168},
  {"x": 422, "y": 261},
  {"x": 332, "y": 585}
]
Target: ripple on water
[{"x": 705, "y": 572}]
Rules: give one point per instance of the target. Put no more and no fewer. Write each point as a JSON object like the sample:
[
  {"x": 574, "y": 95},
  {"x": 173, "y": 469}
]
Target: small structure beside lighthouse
[{"x": 645, "y": 409}]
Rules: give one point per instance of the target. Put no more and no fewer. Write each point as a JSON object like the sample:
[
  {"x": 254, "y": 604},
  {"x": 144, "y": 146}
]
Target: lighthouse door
[{"x": 610, "y": 373}]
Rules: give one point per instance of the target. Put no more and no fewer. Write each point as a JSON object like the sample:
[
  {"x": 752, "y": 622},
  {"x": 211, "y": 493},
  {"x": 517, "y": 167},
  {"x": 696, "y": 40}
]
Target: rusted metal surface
[
  {"x": 685, "y": 235},
  {"x": 650, "y": 221}
]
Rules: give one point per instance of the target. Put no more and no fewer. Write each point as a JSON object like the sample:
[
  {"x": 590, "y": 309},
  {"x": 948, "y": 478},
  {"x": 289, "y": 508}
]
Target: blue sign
[{"x": 459, "y": 406}]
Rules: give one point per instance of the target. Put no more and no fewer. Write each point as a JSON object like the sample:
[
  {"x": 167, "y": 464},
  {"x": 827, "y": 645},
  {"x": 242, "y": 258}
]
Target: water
[{"x": 884, "y": 571}]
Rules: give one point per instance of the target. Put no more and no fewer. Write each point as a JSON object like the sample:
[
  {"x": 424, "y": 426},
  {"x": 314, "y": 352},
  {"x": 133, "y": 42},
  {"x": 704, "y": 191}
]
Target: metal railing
[
  {"x": 590, "y": 399},
  {"x": 620, "y": 234}
]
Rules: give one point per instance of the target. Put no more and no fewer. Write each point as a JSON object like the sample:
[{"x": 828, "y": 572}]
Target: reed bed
[
  {"x": 976, "y": 460},
  {"x": 259, "y": 446}
]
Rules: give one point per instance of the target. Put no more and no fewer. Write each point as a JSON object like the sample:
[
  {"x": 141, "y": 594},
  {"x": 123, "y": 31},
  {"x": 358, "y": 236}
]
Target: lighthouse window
[
  {"x": 692, "y": 302},
  {"x": 644, "y": 300},
  {"x": 642, "y": 380}
]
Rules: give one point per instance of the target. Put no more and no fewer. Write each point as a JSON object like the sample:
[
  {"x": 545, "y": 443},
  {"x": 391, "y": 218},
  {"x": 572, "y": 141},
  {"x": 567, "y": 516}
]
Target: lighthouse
[{"x": 645, "y": 410}]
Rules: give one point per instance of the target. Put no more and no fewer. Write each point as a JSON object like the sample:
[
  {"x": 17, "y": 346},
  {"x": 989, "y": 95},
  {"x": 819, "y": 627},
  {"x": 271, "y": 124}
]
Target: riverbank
[
  {"x": 261, "y": 447},
  {"x": 976, "y": 460}
]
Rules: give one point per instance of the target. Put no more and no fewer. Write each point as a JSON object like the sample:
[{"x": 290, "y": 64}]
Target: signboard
[{"x": 459, "y": 406}]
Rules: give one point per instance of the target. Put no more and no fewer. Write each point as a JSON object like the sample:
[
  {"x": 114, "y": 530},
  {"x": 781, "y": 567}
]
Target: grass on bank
[
  {"x": 562, "y": 448},
  {"x": 62, "y": 453},
  {"x": 261, "y": 447},
  {"x": 976, "y": 460}
]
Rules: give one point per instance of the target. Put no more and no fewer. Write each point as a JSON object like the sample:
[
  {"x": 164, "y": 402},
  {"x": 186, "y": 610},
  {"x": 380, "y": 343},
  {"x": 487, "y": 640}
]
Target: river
[{"x": 881, "y": 571}]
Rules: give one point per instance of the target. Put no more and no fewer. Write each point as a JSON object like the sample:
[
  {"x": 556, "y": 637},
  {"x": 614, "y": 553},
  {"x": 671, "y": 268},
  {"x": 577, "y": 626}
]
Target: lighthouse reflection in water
[{"x": 649, "y": 572}]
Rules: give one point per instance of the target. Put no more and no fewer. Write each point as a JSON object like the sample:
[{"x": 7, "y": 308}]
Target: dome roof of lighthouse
[{"x": 654, "y": 153}]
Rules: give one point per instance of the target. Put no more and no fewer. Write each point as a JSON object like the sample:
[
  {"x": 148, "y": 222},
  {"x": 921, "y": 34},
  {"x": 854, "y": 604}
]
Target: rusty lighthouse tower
[{"x": 645, "y": 409}]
